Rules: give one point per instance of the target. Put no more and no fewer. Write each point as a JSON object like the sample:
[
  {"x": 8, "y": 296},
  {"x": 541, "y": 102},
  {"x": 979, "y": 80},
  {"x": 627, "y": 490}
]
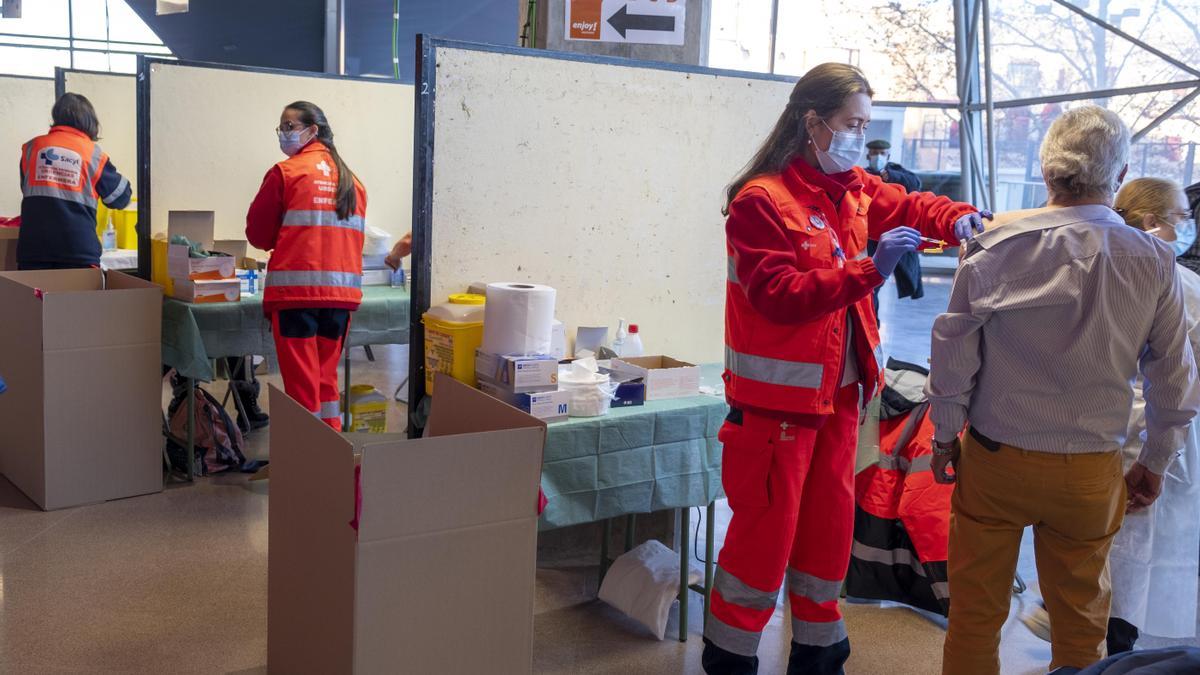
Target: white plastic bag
[{"x": 644, "y": 583}]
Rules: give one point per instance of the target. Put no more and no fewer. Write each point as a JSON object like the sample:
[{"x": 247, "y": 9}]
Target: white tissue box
[{"x": 518, "y": 374}]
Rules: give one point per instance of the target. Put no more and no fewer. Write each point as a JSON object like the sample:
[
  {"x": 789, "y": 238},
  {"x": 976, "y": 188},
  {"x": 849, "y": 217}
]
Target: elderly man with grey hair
[{"x": 1053, "y": 315}]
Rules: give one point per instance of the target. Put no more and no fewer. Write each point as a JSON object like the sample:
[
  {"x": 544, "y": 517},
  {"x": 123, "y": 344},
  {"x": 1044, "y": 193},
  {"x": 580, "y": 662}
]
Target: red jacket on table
[
  {"x": 799, "y": 277},
  {"x": 316, "y": 257}
]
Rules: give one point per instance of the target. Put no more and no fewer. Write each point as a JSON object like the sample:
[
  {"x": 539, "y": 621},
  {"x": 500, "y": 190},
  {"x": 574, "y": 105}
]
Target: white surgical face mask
[
  {"x": 877, "y": 162},
  {"x": 845, "y": 149}
]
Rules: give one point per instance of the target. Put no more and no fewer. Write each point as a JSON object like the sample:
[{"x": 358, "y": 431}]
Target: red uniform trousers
[
  {"x": 308, "y": 343},
  {"x": 791, "y": 489}
]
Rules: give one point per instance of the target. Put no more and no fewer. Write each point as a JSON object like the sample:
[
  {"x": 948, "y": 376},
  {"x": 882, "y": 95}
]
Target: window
[{"x": 102, "y": 35}]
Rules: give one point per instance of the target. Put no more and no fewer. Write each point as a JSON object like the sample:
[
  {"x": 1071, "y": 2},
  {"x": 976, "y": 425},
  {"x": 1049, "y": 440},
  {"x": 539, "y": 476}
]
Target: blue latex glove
[
  {"x": 892, "y": 246},
  {"x": 3, "y": 387},
  {"x": 968, "y": 226}
]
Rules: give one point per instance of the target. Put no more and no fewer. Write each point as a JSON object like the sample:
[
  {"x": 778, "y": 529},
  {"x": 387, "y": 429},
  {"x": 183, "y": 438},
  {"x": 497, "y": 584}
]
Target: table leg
[
  {"x": 191, "y": 430},
  {"x": 630, "y": 528},
  {"x": 346, "y": 392},
  {"x": 685, "y": 517},
  {"x": 604, "y": 548},
  {"x": 709, "y": 562}
]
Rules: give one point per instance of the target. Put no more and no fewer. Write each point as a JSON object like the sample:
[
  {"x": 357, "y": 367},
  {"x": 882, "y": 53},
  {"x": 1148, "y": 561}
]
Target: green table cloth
[
  {"x": 663, "y": 455},
  {"x": 193, "y": 335}
]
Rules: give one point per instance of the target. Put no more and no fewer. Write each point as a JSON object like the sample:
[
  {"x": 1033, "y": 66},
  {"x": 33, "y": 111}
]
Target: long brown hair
[
  {"x": 347, "y": 196},
  {"x": 824, "y": 90}
]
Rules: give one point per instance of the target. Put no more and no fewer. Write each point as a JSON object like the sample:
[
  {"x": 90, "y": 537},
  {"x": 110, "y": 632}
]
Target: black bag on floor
[{"x": 218, "y": 440}]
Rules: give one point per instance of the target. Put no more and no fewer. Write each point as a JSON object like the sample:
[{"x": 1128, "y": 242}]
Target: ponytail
[{"x": 347, "y": 193}]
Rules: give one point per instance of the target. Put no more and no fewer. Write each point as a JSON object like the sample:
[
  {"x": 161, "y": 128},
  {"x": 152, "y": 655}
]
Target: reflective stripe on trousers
[
  {"x": 313, "y": 278},
  {"x": 300, "y": 218},
  {"x": 817, "y": 634},
  {"x": 813, "y": 588},
  {"x": 330, "y": 410},
  {"x": 774, "y": 371}
]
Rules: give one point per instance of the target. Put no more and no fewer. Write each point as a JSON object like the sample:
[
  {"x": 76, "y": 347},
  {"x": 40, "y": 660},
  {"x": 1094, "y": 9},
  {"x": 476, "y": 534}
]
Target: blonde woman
[{"x": 1154, "y": 561}]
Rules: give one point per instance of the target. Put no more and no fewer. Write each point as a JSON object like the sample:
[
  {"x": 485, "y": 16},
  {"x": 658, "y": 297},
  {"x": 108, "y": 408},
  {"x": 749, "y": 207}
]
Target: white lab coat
[{"x": 1156, "y": 556}]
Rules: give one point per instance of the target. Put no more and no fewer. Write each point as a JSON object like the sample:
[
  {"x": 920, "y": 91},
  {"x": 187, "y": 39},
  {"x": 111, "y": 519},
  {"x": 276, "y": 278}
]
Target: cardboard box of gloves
[{"x": 191, "y": 265}]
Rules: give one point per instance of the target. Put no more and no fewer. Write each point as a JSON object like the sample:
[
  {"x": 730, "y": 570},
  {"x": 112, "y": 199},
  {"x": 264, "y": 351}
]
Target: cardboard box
[
  {"x": 439, "y": 577},
  {"x": 8, "y": 248},
  {"x": 518, "y": 374},
  {"x": 548, "y": 406},
  {"x": 205, "y": 291},
  {"x": 199, "y": 227},
  {"x": 217, "y": 267},
  {"x": 664, "y": 376},
  {"x": 81, "y": 351}
]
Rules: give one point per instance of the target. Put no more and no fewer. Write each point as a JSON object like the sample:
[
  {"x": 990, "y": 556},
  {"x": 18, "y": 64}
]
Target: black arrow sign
[{"x": 622, "y": 20}]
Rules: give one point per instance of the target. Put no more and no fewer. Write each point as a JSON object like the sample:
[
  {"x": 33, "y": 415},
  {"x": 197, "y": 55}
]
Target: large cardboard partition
[
  {"x": 114, "y": 96},
  {"x": 607, "y": 184},
  {"x": 81, "y": 353},
  {"x": 439, "y": 577},
  {"x": 25, "y": 104},
  {"x": 208, "y": 138}
]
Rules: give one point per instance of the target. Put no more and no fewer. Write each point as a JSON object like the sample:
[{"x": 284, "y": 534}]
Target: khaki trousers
[{"x": 1075, "y": 504}]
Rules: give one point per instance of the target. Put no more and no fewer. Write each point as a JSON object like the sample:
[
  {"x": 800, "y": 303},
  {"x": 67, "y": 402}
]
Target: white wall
[
  {"x": 25, "y": 105},
  {"x": 603, "y": 181},
  {"x": 213, "y": 140},
  {"x": 114, "y": 97}
]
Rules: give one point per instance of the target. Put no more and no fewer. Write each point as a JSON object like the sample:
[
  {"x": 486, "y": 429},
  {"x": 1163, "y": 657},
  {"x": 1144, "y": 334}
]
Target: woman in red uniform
[
  {"x": 802, "y": 357},
  {"x": 310, "y": 213}
]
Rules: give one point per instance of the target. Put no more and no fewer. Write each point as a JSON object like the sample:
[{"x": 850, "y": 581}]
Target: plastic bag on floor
[{"x": 644, "y": 582}]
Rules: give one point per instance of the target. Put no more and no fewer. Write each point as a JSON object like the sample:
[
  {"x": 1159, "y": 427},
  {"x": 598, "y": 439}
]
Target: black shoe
[
  {"x": 717, "y": 661},
  {"x": 810, "y": 660},
  {"x": 1121, "y": 636},
  {"x": 247, "y": 394}
]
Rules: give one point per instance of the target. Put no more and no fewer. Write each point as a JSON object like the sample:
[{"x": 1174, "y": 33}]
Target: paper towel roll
[{"x": 518, "y": 319}]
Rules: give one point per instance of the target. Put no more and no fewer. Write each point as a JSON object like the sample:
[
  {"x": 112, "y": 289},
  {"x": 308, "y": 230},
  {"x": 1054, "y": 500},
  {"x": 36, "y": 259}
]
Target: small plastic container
[
  {"x": 368, "y": 409},
  {"x": 633, "y": 343},
  {"x": 453, "y": 332}
]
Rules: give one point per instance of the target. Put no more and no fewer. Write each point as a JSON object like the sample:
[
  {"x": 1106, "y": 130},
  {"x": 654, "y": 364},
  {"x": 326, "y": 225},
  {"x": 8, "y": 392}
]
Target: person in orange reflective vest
[
  {"x": 310, "y": 213},
  {"x": 802, "y": 357},
  {"x": 64, "y": 175}
]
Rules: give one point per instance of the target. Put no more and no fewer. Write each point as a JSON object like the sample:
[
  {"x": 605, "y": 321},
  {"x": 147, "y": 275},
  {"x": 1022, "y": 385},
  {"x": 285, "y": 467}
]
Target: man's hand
[
  {"x": 401, "y": 250},
  {"x": 942, "y": 462},
  {"x": 884, "y": 175},
  {"x": 1143, "y": 486}
]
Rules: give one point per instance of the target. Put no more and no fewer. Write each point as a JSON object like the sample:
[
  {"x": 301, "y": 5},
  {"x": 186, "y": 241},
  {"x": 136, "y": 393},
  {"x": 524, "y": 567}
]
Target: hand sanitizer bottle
[{"x": 109, "y": 241}]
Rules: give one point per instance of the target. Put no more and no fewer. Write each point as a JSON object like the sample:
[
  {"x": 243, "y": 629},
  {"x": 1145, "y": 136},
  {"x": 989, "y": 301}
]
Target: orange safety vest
[
  {"x": 797, "y": 368},
  {"x": 64, "y": 164},
  {"x": 318, "y": 257}
]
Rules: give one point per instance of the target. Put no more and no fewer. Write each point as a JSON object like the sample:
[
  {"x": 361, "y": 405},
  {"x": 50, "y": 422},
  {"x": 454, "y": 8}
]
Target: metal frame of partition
[{"x": 60, "y": 77}]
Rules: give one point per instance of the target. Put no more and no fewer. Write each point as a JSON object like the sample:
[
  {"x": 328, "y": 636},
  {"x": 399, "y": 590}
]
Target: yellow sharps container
[{"x": 453, "y": 331}]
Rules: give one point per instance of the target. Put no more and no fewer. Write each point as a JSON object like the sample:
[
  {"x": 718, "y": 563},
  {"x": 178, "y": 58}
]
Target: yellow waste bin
[{"x": 453, "y": 332}]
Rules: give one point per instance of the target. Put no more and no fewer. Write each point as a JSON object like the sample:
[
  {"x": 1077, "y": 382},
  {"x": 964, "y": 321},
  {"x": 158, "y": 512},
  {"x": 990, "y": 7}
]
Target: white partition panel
[
  {"x": 25, "y": 105},
  {"x": 602, "y": 180},
  {"x": 114, "y": 96},
  {"x": 212, "y": 139}
]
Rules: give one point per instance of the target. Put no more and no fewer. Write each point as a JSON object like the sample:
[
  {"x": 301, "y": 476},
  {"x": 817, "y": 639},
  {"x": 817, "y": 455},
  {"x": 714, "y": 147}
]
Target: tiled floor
[{"x": 176, "y": 582}]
